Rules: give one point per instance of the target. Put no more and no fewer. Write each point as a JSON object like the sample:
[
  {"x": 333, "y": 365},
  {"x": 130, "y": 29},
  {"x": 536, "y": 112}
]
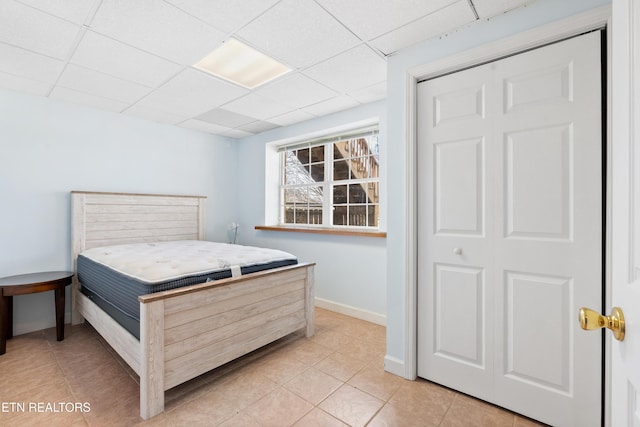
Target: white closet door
[{"x": 510, "y": 231}]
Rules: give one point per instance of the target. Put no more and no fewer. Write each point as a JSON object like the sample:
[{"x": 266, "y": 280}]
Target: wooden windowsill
[{"x": 316, "y": 230}]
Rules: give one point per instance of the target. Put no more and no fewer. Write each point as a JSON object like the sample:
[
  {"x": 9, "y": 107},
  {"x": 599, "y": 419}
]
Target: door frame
[{"x": 596, "y": 18}]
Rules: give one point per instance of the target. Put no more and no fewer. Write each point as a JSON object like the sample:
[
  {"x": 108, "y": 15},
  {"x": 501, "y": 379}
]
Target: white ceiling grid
[{"x": 136, "y": 57}]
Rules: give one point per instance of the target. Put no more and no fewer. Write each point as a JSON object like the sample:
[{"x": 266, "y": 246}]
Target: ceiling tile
[
  {"x": 192, "y": 93},
  {"x": 21, "y": 84},
  {"x": 75, "y": 97},
  {"x": 224, "y": 15},
  {"x": 370, "y": 19},
  {"x": 226, "y": 118},
  {"x": 445, "y": 20},
  {"x": 97, "y": 52},
  {"x": 94, "y": 83},
  {"x": 287, "y": 119},
  {"x": 333, "y": 105},
  {"x": 298, "y": 32},
  {"x": 154, "y": 115},
  {"x": 258, "y": 127},
  {"x": 488, "y": 8},
  {"x": 204, "y": 127},
  {"x": 296, "y": 90},
  {"x": 72, "y": 10},
  {"x": 357, "y": 68},
  {"x": 26, "y": 27},
  {"x": 157, "y": 27},
  {"x": 371, "y": 93},
  {"x": 257, "y": 106},
  {"x": 24, "y": 63}
]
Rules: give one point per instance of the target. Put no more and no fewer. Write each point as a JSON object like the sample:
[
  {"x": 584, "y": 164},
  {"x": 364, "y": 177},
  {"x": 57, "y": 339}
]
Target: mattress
[{"x": 114, "y": 276}]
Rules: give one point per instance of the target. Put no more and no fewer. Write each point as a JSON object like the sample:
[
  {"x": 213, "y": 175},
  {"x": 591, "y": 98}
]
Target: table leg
[
  {"x": 59, "y": 295},
  {"x": 4, "y": 323},
  {"x": 10, "y": 317}
]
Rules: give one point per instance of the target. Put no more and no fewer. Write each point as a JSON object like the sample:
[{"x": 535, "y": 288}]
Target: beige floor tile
[
  {"x": 331, "y": 339},
  {"x": 526, "y": 422},
  {"x": 376, "y": 382},
  {"x": 427, "y": 401},
  {"x": 246, "y": 389},
  {"x": 309, "y": 352},
  {"x": 462, "y": 414},
  {"x": 319, "y": 418},
  {"x": 393, "y": 416},
  {"x": 240, "y": 420},
  {"x": 341, "y": 366},
  {"x": 313, "y": 385},
  {"x": 208, "y": 409},
  {"x": 279, "y": 409},
  {"x": 352, "y": 406},
  {"x": 281, "y": 367}
]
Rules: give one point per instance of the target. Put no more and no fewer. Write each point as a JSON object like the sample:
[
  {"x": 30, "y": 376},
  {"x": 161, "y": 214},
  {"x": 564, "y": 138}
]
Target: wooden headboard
[{"x": 101, "y": 219}]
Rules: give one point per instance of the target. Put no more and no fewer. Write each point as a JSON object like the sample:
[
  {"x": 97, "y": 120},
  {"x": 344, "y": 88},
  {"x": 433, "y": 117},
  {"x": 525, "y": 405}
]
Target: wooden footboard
[{"x": 189, "y": 331}]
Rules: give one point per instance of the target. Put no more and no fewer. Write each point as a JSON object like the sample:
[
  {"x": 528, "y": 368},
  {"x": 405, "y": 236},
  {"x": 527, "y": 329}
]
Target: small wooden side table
[{"x": 30, "y": 284}]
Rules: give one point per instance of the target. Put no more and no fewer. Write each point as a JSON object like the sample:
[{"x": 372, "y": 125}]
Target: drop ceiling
[{"x": 136, "y": 57}]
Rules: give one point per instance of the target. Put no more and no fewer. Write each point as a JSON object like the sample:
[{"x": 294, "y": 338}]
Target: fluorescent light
[{"x": 242, "y": 65}]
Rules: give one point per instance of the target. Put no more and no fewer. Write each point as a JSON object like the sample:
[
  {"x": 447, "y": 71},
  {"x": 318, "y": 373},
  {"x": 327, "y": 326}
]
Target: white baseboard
[
  {"x": 358, "y": 313},
  {"x": 395, "y": 366}
]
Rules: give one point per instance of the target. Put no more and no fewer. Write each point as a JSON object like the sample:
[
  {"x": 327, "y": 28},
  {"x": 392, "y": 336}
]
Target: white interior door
[
  {"x": 625, "y": 212},
  {"x": 510, "y": 231}
]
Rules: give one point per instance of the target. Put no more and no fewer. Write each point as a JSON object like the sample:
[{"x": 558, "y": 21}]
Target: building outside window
[{"x": 332, "y": 181}]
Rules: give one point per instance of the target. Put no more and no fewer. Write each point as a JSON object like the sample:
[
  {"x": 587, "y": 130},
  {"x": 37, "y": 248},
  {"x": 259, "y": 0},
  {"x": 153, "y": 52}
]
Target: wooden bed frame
[{"x": 187, "y": 331}]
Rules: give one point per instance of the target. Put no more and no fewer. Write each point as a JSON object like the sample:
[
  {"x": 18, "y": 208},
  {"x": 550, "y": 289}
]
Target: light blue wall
[
  {"x": 48, "y": 148},
  {"x": 535, "y": 14},
  {"x": 350, "y": 271}
]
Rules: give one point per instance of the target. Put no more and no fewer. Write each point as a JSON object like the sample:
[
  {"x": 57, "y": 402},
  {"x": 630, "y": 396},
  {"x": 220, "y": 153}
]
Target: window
[{"x": 332, "y": 181}]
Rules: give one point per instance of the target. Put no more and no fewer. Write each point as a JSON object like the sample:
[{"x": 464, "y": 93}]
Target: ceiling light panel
[{"x": 240, "y": 64}]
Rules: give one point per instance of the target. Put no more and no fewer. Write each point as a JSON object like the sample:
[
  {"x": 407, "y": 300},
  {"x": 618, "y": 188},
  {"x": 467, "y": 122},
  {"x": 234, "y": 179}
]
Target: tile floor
[{"x": 335, "y": 378}]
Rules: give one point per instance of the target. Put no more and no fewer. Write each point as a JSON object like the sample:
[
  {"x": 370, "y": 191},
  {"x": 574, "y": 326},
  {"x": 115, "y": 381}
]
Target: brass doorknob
[{"x": 590, "y": 320}]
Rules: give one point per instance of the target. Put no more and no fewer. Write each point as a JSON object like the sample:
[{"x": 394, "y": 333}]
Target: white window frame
[{"x": 329, "y": 182}]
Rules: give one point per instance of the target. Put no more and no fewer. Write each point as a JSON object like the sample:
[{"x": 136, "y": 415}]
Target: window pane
[
  {"x": 340, "y": 215},
  {"x": 340, "y": 170},
  {"x": 374, "y": 169},
  {"x": 340, "y": 194},
  {"x": 357, "y": 193},
  {"x": 317, "y": 172},
  {"x": 301, "y": 215},
  {"x": 373, "y": 192},
  {"x": 289, "y": 217},
  {"x": 341, "y": 150},
  {"x": 315, "y": 214},
  {"x": 303, "y": 155},
  {"x": 357, "y": 215},
  {"x": 317, "y": 153},
  {"x": 372, "y": 215}
]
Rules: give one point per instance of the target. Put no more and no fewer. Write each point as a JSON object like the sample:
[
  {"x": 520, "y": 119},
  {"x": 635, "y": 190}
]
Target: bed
[{"x": 187, "y": 331}]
